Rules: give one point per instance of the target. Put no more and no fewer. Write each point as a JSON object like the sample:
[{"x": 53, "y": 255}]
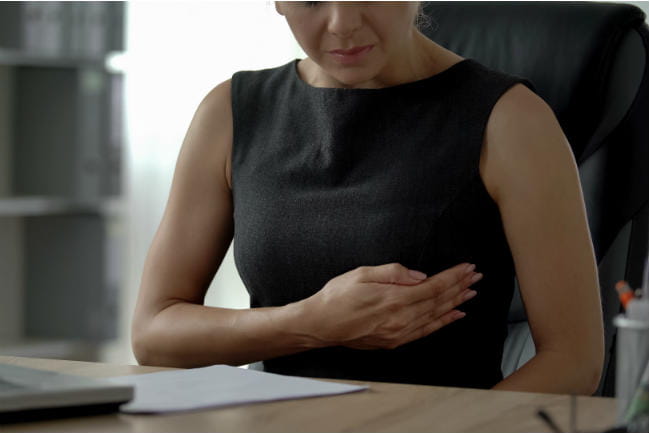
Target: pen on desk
[
  {"x": 625, "y": 292},
  {"x": 548, "y": 421}
]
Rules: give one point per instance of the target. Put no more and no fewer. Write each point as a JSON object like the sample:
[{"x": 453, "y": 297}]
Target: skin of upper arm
[
  {"x": 197, "y": 226},
  {"x": 529, "y": 170}
]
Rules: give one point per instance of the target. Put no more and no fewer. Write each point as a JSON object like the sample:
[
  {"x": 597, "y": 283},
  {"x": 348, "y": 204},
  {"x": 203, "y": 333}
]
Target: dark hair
[{"x": 422, "y": 20}]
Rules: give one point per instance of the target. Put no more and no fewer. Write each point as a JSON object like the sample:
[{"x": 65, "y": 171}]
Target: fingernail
[
  {"x": 469, "y": 268},
  {"x": 470, "y": 294},
  {"x": 459, "y": 314},
  {"x": 417, "y": 275},
  {"x": 476, "y": 277}
]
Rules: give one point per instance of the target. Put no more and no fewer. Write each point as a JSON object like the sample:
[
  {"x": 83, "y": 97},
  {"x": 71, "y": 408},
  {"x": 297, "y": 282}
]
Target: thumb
[{"x": 392, "y": 273}]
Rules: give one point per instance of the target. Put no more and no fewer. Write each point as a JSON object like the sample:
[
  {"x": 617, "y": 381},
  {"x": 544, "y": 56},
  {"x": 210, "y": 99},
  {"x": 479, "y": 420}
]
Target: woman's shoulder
[
  {"x": 517, "y": 109},
  {"x": 213, "y": 120},
  {"x": 218, "y": 95},
  {"x": 516, "y": 102},
  {"x": 215, "y": 108},
  {"x": 522, "y": 128}
]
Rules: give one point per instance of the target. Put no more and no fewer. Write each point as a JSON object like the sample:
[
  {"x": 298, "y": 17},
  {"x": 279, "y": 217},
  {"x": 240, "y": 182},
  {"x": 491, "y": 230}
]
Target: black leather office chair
[{"x": 588, "y": 61}]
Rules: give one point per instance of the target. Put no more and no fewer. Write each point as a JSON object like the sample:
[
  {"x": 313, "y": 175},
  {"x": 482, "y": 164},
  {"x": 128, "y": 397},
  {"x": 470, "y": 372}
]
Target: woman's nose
[{"x": 344, "y": 19}]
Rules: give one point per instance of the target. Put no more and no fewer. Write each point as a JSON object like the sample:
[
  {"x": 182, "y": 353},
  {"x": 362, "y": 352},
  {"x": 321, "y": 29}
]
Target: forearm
[
  {"x": 552, "y": 372},
  {"x": 190, "y": 335}
]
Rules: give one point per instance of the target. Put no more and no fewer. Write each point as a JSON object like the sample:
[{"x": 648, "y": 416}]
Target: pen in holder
[{"x": 632, "y": 357}]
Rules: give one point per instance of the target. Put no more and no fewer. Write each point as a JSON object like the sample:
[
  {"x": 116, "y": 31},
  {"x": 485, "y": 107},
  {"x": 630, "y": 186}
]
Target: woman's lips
[
  {"x": 352, "y": 55},
  {"x": 351, "y": 50}
]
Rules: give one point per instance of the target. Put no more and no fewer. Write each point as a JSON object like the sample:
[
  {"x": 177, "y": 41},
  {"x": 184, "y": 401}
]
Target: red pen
[{"x": 625, "y": 292}]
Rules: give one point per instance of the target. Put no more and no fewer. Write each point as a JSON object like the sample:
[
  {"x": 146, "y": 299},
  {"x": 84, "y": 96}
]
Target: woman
[{"x": 370, "y": 188}]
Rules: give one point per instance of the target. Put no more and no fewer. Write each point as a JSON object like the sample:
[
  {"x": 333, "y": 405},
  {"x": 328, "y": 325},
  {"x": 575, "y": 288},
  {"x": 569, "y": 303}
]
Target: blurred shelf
[
  {"x": 54, "y": 60},
  {"x": 43, "y": 206},
  {"x": 61, "y": 162},
  {"x": 79, "y": 350}
]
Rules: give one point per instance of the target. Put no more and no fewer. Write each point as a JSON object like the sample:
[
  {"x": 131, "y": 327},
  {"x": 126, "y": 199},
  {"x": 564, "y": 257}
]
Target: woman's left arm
[{"x": 529, "y": 169}]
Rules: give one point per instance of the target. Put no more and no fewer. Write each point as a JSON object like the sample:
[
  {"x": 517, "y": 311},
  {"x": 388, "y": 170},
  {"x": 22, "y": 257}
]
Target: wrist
[{"x": 299, "y": 322}]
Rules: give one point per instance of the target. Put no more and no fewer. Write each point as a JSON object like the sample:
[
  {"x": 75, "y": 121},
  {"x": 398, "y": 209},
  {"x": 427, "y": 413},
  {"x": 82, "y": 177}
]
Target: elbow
[
  {"x": 595, "y": 369},
  {"x": 591, "y": 366},
  {"x": 593, "y": 384},
  {"x": 145, "y": 340},
  {"x": 141, "y": 344},
  {"x": 153, "y": 341},
  {"x": 139, "y": 347},
  {"x": 583, "y": 366},
  {"x": 140, "y": 351},
  {"x": 598, "y": 359},
  {"x": 588, "y": 356},
  {"x": 591, "y": 379},
  {"x": 150, "y": 340}
]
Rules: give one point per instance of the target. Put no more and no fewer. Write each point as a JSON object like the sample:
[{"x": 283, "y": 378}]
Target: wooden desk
[{"x": 385, "y": 407}]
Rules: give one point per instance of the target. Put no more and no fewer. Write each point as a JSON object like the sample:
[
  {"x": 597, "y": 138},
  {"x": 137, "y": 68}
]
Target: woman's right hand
[{"x": 384, "y": 307}]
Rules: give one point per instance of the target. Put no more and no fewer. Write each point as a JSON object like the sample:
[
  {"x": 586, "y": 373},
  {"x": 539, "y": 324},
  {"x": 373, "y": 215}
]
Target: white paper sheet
[{"x": 219, "y": 385}]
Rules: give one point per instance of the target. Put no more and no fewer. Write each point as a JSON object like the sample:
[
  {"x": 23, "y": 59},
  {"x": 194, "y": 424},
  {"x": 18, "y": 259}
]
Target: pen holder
[{"x": 632, "y": 357}]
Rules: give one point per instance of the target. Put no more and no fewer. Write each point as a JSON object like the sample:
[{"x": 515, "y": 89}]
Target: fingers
[
  {"x": 453, "y": 296},
  {"x": 446, "y": 284},
  {"x": 395, "y": 273},
  {"x": 435, "y": 313},
  {"x": 436, "y": 306},
  {"x": 392, "y": 273},
  {"x": 431, "y": 326},
  {"x": 424, "y": 327}
]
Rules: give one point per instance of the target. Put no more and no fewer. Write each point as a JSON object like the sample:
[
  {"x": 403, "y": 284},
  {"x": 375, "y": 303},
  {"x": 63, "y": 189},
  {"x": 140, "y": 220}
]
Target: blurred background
[{"x": 95, "y": 100}]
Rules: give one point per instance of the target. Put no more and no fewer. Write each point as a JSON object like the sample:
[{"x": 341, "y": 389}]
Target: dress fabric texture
[{"x": 328, "y": 179}]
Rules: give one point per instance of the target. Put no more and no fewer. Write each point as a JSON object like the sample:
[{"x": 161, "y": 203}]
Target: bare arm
[
  {"x": 530, "y": 171},
  {"x": 171, "y": 326}
]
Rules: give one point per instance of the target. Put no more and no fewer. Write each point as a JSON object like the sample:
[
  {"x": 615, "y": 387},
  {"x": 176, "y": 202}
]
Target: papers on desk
[{"x": 217, "y": 386}]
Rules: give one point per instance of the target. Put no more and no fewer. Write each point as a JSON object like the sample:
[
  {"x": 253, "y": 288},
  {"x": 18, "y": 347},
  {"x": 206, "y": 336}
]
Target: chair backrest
[{"x": 588, "y": 61}]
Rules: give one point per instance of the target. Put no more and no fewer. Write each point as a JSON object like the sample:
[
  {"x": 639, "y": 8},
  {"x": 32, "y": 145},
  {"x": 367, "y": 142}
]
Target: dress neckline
[{"x": 411, "y": 84}]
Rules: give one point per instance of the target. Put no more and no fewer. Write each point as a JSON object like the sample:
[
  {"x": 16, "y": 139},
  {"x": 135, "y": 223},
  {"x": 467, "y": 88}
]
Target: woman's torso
[{"x": 325, "y": 180}]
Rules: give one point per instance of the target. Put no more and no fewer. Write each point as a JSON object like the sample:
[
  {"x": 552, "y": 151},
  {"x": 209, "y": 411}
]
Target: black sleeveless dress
[{"x": 328, "y": 179}]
